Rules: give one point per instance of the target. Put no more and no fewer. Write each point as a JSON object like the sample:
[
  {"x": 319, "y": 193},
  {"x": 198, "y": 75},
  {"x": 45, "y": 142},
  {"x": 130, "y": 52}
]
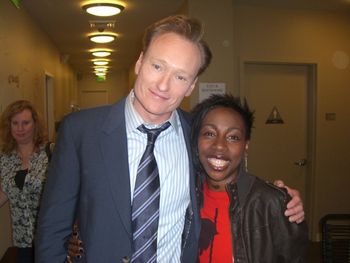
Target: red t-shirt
[{"x": 215, "y": 243}]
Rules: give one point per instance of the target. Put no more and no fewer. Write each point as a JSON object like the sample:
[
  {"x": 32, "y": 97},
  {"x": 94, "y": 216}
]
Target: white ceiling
[{"x": 66, "y": 23}]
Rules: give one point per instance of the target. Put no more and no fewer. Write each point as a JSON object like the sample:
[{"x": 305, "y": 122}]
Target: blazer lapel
[
  {"x": 186, "y": 126},
  {"x": 115, "y": 155}
]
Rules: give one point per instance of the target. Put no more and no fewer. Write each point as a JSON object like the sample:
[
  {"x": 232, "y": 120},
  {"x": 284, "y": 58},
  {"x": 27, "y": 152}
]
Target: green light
[
  {"x": 101, "y": 78},
  {"x": 16, "y": 3}
]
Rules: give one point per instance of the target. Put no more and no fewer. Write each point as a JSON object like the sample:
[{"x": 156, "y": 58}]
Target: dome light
[
  {"x": 103, "y": 9},
  {"x": 101, "y": 53},
  {"x": 100, "y": 62},
  {"x": 102, "y": 37}
]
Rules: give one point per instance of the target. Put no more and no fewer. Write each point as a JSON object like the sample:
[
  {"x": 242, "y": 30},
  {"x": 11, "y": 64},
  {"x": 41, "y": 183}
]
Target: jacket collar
[{"x": 244, "y": 183}]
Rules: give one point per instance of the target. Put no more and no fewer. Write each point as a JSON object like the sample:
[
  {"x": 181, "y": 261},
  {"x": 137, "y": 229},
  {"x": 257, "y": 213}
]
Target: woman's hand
[
  {"x": 295, "y": 208},
  {"x": 75, "y": 245}
]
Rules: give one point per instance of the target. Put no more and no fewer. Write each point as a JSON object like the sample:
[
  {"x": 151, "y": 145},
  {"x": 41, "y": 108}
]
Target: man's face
[{"x": 167, "y": 73}]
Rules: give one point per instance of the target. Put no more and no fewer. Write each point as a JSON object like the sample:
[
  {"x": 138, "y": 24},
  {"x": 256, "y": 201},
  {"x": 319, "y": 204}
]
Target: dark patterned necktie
[{"x": 145, "y": 206}]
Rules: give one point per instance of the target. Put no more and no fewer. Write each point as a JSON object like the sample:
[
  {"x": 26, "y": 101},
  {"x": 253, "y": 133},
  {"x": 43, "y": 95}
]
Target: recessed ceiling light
[
  {"x": 100, "y": 62},
  {"x": 103, "y": 9},
  {"x": 100, "y": 73},
  {"x": 101, "y": 68},
  {"x": 102, "y": 37},
  {"x": 101, "y": 53}
]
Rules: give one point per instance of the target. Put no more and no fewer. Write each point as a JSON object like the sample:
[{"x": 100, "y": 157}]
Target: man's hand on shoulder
[{"x": 295, "y": 208}]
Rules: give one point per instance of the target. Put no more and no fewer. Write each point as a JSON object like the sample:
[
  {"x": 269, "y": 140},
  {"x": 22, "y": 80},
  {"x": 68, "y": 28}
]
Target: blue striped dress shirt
[{"x": 173, "y": 165}]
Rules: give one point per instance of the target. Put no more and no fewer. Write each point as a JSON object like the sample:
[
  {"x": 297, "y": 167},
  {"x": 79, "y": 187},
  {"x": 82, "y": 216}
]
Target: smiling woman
[{"x": 242, "y": 216}]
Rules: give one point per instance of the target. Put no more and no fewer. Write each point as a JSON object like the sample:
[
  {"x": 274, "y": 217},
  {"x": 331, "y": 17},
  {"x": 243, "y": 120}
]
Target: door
[
  {"x": 93, "y": 98},
  {"x": 279, "y": 95}
]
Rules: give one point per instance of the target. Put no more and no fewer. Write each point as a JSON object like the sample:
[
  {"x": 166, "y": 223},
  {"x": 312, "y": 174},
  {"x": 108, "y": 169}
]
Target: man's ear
[
  {"x": 138, "y": 64},
  {"x": 193, "y": 85}
]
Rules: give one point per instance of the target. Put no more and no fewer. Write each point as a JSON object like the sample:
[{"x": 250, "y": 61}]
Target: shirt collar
[{"x": 134, "y": 120}]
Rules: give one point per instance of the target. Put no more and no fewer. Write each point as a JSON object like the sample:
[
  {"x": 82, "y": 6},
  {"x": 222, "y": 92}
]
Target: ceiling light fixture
[
  {"x": 100, "y": 62},
  {"x": 101, "y": 53},
  {"x": 103, "y": 9},
  {"x": 102, "y": 37},
  {"x": 100, "y": 73},
  {"x": 101, "y": 68}
]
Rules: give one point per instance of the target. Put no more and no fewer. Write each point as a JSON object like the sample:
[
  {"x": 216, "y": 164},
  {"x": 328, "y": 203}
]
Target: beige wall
[
  {"x": 322, "y": 38},
  {"x": 116, "y": 85},
  {"x": 218, "y": 23},
  {"x": 26, "y": 54},
  {"x": 270, "y": 34},
  {"x": 5, "y": 229}
]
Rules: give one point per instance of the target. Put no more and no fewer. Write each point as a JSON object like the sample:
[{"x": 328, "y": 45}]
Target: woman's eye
[
  {"x": 208, "y": 134},
  {"x": 234, "y": 138}
]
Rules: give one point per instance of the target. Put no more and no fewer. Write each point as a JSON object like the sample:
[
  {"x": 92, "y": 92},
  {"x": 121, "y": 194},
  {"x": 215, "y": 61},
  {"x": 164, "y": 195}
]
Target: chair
[{"x": 335, "y": 238}]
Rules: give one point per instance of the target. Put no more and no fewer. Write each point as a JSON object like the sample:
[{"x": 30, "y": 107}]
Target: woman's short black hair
[{"x": 222, "y": 101}]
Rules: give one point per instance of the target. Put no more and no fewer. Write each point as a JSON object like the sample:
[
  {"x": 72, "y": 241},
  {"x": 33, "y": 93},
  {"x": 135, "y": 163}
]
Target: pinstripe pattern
[
  {"x": 145, "y": 207},
  {"x": 172, "y": 160}
]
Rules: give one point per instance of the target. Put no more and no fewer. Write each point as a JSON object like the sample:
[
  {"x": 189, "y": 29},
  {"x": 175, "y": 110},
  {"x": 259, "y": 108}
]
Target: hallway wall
[
  {"x": 116, "y": 86},
  {"x": 292, "y": 35},
  {"x": 320, "y": 37},
  {"x": 26, "y": 55}
]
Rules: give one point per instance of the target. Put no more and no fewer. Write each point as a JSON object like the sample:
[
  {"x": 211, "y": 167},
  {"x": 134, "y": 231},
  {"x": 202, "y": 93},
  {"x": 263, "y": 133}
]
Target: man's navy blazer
[{"x": 88, "y": 179}]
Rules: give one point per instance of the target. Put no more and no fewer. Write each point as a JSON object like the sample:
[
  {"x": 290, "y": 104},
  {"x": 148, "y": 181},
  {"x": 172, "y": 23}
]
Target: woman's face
[
  {"x": 22, "y": 127},
  {"x": 221, "y": 146}
]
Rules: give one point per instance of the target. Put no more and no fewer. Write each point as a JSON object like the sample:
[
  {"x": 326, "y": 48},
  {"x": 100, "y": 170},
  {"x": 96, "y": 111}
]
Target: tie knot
[{"x": 152, "y": 134}]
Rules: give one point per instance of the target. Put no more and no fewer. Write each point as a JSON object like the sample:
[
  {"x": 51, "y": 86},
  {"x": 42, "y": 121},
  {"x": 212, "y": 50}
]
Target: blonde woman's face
[{"x": 22, "y": 127}]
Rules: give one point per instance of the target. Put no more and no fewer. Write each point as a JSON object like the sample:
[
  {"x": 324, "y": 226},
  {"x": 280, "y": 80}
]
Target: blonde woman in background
[{"x": 23, "y": 167}]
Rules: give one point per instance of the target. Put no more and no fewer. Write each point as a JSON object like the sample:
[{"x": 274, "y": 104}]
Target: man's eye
[
  {"x": 181, "y": 78},
  {"x": 156, "y": 66}
]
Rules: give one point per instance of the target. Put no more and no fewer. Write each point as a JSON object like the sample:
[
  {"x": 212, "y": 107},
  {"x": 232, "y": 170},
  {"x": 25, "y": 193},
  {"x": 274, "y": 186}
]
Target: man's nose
[{"x": 164, "y": 82}]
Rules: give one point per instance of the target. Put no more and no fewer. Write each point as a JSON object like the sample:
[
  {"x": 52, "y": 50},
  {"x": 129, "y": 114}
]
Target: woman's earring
[{"x": 246, "y": 163}]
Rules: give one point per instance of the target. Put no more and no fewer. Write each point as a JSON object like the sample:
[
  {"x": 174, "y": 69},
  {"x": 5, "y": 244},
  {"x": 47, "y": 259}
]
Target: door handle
[{"x": 301, "y": 162}]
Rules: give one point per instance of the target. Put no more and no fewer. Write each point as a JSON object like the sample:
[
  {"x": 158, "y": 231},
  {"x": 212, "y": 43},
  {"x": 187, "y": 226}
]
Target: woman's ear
[{"x": 247, "y": 145}]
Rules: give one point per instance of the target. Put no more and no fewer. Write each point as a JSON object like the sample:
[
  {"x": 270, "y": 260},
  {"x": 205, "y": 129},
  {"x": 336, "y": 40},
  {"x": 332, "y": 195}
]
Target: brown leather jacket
[{"x": 260, "y": 231}]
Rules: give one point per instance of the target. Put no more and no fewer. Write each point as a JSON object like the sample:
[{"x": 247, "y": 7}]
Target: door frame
[
  {"x": 49, "y": 104},
  {"x": 309, "y": 203}
]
